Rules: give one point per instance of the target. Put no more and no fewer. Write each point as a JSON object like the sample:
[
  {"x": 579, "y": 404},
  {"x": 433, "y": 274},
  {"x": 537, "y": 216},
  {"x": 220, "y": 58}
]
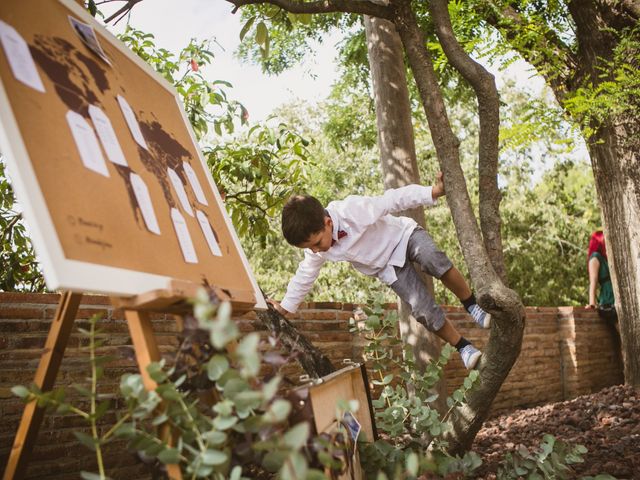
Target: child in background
[{"x": 362, "y": 231}]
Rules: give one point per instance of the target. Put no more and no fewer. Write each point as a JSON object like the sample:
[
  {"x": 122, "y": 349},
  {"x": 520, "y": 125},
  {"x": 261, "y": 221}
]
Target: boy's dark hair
[{"x": 302, "y": 216}]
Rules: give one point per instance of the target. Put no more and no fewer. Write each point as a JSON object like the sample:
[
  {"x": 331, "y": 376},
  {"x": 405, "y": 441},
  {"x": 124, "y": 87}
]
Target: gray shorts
[{"x": 422, "y": 250}]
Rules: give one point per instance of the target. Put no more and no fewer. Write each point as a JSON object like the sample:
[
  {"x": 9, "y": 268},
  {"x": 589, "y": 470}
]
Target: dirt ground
[{"x": 607, "y": 423}]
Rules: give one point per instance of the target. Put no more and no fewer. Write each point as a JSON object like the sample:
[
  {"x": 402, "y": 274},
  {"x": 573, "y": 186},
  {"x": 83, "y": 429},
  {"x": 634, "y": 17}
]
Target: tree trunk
[
  {"x": 613, "y": 150},
  {"x": 398, "y": 161},
  {"x": 617, "y": 175},
  {"x": 504, "y": 344}
]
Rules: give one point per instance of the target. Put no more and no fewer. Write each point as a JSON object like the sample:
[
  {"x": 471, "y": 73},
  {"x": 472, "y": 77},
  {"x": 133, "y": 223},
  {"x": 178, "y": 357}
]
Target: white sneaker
[
  {"x": 479, "y": 316},
  {"x": 470, "y": 356}
]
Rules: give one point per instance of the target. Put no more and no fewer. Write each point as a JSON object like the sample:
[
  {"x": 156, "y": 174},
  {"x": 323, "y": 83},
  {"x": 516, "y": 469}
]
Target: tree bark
[
  {"x": 398, "y": 162},
  {"x": 483, "y": 83},
  {"x": 311, "y": 359},
  {"x": 617, "y": 176}
]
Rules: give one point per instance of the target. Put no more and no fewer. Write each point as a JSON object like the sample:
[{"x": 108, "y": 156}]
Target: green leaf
[
  {"x": 82, "y": 390},
  {"x": 102, "y": 408},
  {"x": 236, "y": 473},
  {"x": 297, "y": 437},
  {"x": 304, "y": 18},
  {"x": 295, "y": 468},
  {"x": 214, "y": 437},
  {"x": 214, "y": 457},
  {"x": 156, "y": 373},
  {"x": 412, "y": 464},
  {"x": 278, "y": 411},
  {"x": 261, "y": 33},
  {"x": 169, "y": 456},
  {"x": 224, "y": 423},
  {"x": 86, "y": 440},
  {"x": 216, "y": 367},
  {"x": 246, "y": 27},
  {"x": 126, "y": 430},
  {"x": 21, "y": 391},
  {"x": 273, "y": 460}
]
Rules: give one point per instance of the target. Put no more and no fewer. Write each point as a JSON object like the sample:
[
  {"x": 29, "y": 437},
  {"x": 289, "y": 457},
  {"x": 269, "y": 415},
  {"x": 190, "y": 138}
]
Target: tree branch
[
  {"x": 553, "y": 51},
  {"x": 363, "y": 7},
  {"x": 446, "y": 145},
  {"x": 311, "y": 359},
  {"x": 123, "y": 11},
  {"x": 484, "y": 85}
]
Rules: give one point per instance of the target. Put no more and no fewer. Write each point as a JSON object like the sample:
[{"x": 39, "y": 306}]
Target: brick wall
[{"x": 565, "y": 352}]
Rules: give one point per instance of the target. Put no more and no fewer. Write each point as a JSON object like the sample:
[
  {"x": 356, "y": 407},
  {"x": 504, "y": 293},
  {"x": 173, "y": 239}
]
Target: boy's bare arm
[{"x": 438, "y": 187}]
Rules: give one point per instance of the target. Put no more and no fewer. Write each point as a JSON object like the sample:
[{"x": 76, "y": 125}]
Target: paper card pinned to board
[
  {"x": 184, "y": 238},
  {"x": 88, "y": 36},
  {"x": 180, "y": 191},
  {"x": 195, "y": 183},
  {"x": 141, "y": 191},
  {"x": 132, "y": 122},
  {"x": 205, "y": 225},
  {"x": 19, "y": 57},
  {"x": 87, "y": 143},
  {"x": 107, "y": 136},
  {"x": 352, "y": 424}
]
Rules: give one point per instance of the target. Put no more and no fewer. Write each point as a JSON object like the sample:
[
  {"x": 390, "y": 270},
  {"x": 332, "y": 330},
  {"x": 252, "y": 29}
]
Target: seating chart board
[{"x": 116, "y": 194}]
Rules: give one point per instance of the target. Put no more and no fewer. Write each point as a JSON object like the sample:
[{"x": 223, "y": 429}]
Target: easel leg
[
  {"x": 146, "y": 348},
  {"x": 45, "y": 378}
]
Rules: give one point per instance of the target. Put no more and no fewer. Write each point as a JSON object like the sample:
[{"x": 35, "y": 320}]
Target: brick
[
  {"x": 325, "y": 305},
  {"x": 26, "y": 298},
  {"x": 18, "y": 312}
]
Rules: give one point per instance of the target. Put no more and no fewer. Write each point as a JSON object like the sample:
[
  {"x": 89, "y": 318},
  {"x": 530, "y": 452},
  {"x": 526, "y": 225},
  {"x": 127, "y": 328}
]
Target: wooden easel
[{"x": 137, "y": 311}]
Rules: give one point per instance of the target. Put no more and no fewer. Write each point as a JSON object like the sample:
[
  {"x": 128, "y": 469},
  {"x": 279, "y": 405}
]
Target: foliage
[
  {"x": 617, "y": 95},
  {"x": 414, "y": 443},
  {"x": 256, "y": 173},
  {"x": 278, "y": 40},
  {"x": 547, "y": 229},
  {"x": 185, "y": 72},
  {"x": 256, "y": 170},
  {"x": 550, "y": 461},
  {"x": 19, "y": 269},
  {"x": 245, "y": 429},
  {"x": 56, "y": 400}
]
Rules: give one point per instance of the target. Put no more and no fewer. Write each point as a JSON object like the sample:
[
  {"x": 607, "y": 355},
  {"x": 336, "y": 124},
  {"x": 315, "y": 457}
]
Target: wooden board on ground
[
  {"x": 320, "y": 406},
  {"x": 106, "y": 168},
  {"x": 346, "y": 384}
]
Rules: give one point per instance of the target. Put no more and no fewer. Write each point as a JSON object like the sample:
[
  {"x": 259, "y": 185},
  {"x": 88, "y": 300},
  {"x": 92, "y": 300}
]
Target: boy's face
[{"x": 322, "y": 240}]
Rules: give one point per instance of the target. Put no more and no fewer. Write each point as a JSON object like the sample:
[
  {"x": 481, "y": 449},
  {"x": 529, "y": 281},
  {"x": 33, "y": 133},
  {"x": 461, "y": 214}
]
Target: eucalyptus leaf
[
  {"x": 86, "y": 440},
  {"x": 297, "y": 436},
  {"x": 169, "y": 456}
]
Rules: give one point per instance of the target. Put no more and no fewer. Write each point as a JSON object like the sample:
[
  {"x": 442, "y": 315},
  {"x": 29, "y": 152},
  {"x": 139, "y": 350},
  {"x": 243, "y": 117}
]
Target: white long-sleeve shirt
[{"x": 374, "y": 243}]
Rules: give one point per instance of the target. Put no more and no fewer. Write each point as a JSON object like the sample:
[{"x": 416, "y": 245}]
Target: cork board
[{"x": 114, "y": 189}]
